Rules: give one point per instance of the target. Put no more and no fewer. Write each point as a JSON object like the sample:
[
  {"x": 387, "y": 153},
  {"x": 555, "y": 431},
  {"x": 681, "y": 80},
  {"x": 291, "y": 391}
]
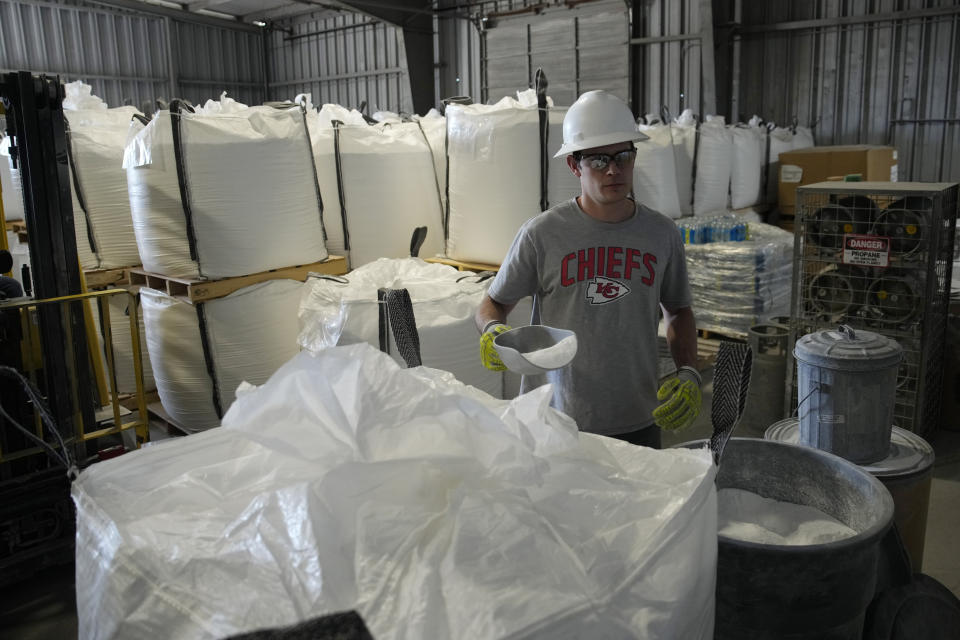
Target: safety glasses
[{"x": 601, "y": 161}]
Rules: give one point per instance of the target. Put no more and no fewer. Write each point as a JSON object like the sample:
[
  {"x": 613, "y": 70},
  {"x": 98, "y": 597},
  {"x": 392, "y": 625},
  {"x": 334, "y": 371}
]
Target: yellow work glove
[
  {"x": 681, "y": 400},
  {"x": 488, "y": 353}
]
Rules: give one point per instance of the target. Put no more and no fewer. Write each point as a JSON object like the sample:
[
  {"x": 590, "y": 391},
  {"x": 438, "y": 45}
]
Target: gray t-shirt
[{"x": 604, "y": 281}]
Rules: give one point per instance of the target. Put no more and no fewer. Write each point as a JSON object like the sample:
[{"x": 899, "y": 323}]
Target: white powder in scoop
[
  {"x": 555, "y": 356},
  {"x": 744, "y": 515}
]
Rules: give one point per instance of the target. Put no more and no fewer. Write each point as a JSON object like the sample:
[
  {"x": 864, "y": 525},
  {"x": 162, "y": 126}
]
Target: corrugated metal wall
[
  {"x": 580, "y": 48},
  {"x": 343, "y": 58},
  {"x": 130, "y": 58},
  {"x": 861, "y": 71}
]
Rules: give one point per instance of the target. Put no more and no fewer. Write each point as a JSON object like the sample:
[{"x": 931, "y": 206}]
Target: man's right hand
[{"x": 488, "y": 353}]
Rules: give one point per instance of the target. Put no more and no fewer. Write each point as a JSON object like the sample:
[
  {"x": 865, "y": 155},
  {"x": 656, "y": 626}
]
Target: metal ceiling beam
[
  {"x": 197, "y": 5},
  {"x": 177, "y": 14}
]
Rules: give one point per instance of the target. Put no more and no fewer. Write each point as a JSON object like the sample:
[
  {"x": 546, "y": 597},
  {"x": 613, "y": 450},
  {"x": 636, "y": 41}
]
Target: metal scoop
[{"x": 536, "y": 348}]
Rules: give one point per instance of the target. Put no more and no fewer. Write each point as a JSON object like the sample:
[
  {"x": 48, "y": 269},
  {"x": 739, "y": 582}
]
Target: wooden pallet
[
  {"x": 18, "y": 227},
  {"x": 104, "y": 278},
  {"x": 160, "y": 418},
  {"x": 464, "y": 266},
  {"x": 201, "y": 290}
]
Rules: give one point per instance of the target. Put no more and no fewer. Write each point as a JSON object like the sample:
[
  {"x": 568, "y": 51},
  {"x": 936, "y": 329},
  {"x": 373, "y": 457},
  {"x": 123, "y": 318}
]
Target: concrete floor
[{"x": 44, "y": 607}]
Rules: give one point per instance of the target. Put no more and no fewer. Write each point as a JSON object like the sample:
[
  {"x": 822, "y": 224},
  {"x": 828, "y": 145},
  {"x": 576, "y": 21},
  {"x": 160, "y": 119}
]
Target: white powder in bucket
[
  {"x": 744, "y": 515},
  {"x": 554, "y": 356}
]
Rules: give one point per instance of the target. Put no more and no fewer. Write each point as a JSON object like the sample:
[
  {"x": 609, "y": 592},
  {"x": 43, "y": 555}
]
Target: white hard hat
[{"x": 597, "y": 119}]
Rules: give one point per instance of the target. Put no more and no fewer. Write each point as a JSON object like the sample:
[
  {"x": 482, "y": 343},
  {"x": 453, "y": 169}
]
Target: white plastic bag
[
  {"x": 684, "y": 133},
  {"x": 433, "y": 510},
  {"x": 655, "y": 172},
  {"x": 714, "y": 152},
  {"x": 251, "y": 188},
  {"x": 101, "y": 208},
  {"x": 200, "y": 353},
  {"x": 387, "y": 187},
  {"x": 746, "y": 165},
  {"x": 344, "y": 310}
]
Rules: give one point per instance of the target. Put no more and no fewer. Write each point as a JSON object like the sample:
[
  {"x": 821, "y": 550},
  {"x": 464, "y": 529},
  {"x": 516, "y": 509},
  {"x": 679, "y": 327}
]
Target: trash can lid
[
  {"x": 844, "y": 348},
  {"x": 909, "y": 453}
]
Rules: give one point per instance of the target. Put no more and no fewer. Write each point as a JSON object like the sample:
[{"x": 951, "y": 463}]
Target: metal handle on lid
[{"x": 847, "y": 331}]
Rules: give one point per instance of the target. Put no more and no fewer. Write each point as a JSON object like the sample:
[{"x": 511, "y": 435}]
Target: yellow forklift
[{"x": 60, "y": 408}]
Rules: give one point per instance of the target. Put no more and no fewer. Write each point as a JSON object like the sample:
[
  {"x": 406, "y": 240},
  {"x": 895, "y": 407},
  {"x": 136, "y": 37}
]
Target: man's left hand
[{"x": 682, "y": 400}]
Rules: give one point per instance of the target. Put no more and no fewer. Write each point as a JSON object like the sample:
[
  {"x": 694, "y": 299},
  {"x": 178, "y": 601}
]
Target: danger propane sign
[{"x": 867, "y": 251}]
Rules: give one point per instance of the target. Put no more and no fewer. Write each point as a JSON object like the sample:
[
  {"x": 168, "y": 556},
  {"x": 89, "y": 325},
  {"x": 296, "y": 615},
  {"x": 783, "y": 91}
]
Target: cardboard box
[{"x": 874, "y": 163}]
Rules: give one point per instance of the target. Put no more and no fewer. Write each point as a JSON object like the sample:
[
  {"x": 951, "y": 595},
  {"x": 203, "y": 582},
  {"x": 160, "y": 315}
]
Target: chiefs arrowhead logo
[{"x": 603, "y": 290}]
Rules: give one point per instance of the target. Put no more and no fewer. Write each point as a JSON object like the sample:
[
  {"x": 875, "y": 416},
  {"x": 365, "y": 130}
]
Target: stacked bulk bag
[
  {"x": 10, "y": 183},
  {"x": 562, "y": 183},
  {"x": 345, "y": 310},
  {"x": 714, "y": 151},
  {"x": 200, "y": 353},
  {"x": 223, "y": 191},
  {"x": 101, "y": 206},
  {"x": 747, "y": 164},
  {"x": 379, "y": 184},
  {"x": 655, "y": 171}
]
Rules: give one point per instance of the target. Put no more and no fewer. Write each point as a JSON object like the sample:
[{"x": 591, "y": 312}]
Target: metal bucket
[
  {"x": 846, "y": 388},
  {"x": 906, "y": 473},
  {"x": 803, "y": 592}
]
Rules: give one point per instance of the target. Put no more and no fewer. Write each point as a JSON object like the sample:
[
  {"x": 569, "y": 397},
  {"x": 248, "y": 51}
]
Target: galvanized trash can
[{"x": 846, "y": 388}]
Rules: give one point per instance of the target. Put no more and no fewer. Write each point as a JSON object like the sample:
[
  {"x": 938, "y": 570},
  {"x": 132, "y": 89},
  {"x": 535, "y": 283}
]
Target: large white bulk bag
[
  {"x": 746, "y": 165},
  {"x": 683, "y": 130},
  {"x": 494, "y": 157},
  {"x": 120, "y": 309},
  {"x": 779, "y": 140},
  {"x": 344, "y": 310},
  {"x": 714, "y": 150},
  {"x": 252, "y": 197},
  {"x": 434, "y": 511},
  {"x": 101, "y": 206},
  {"x": 802, "y": 137},
  {"x": 10, "y": 183},
  {"x": 562, "y": 183},
  {"x": 655, "y": 172},
  {"x": 201, "y": 352},
  {"x": 378, "y": 184}
]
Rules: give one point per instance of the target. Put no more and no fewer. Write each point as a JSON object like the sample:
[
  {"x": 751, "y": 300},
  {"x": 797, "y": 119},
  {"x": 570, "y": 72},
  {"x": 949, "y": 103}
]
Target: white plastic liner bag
[
  {"x": 101, "y": 206},
  {"x": 344, "y": 310},
  {"x": 655, "y": 171},
  {"x": 433, "y": 510},
  {"x": 200, "y": 353},
  {"x": 493, "y": 158},
  {"x": 379, "y": 189},
  {"x": 747, "y": 164},
  {"x": 714, "y": 152},
  {"x": 10, "y": 183},
  {"x": 253, "y": 200}
]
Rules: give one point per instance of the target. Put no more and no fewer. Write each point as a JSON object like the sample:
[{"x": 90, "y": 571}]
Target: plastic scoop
[{"x": 536, "y": 348}]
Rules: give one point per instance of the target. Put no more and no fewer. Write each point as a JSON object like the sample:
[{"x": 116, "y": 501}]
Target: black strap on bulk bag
[
  {"x": 461, "y": 100},
  {"x": 208, "y": 358},
  {"x": 766, "y": 162},
  {"x": 436, "y": 178},
  {"x": 396, "y": 316},
  {"x": 416, "y": 241},
  {"x": 176, "y": 106},
  {"x": 343, "y": 204},
  {"x": 540, "y": 83},
  {"x": 313, "y": 163},
  {"x": 81, "y": 200},
  {"x": 696, "y": 154}
]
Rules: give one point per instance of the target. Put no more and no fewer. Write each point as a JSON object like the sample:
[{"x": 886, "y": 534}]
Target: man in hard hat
[{"x": 603, "y": 266}]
